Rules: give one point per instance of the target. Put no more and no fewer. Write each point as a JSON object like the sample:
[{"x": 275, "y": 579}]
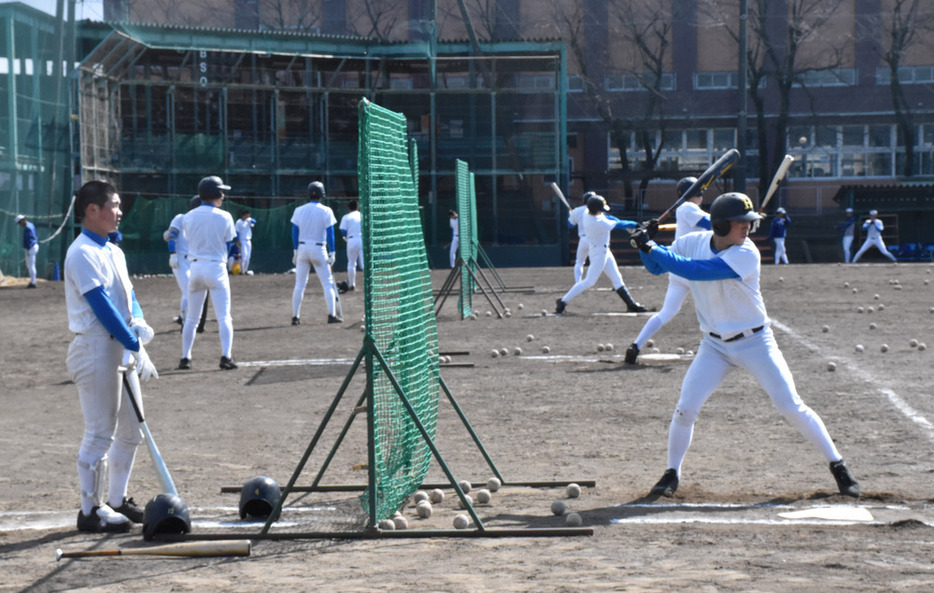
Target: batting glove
[
  {"x": 331, "y": 257},
  {"x": 651, "y": 227},
  {"x": 640, "y": 240},
  {"x": 141, "y": 364},
  {"x": 142, "y": 330},
  {"x": 294, "y": 256},
  {"x": 173, "y": 261}
]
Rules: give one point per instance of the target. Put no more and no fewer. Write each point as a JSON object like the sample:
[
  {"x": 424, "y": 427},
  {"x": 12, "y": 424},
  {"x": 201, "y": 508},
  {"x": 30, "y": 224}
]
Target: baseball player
[
  {"x": 597, "y": 226},
  {"x": 31, "y": 246},
  {"x": 723, "y": 268},
  {"x": 350, "y": 227},
  {"x": 455, "y": 236},
  {"x": 210, "y": 231},
  {"x": 847, "y": 228},
  {"x": 244, "y": 228},
  {"x": 313, "y": 245},
  {"x": 777, "y": 234},
  {"x": 576, "y": 218},
  {"x": 873, "y": 237},
  {"x": 690, "y": 218},
  {"x": 178, "y": 256},
  {"x": 110, "y": 332}
]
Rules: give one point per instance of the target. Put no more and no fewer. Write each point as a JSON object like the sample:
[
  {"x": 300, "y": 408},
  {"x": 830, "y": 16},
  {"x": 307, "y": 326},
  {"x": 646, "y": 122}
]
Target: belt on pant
[
  {"x": 744, "y": 333},
  {"x": 304, "y": 242}
]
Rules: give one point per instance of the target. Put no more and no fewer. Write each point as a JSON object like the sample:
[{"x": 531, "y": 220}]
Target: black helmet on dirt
[
  {"x": 258, "y": 497},
  {"x": 165, "y": 513}
]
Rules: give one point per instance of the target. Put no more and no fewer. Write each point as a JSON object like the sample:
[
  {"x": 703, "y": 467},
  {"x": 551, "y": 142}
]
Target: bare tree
[
  {"x": 301, "y": 15},
  {"x": 377, "y": 18}
]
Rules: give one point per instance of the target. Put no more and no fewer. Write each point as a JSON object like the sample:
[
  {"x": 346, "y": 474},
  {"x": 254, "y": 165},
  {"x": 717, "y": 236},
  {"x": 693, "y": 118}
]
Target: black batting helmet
[
  {"x": 596, "y": 204},
  {"x": 211, "y": 188},
  {"x": 587, "y": 196},
  {"x": 194, "y": 202},
  {"x": 316, "y": 190},
  {"x": 258, "y": 497},
  {"x": 731, "y": 206},
  {"x": 685, "y": 184},
  {"x": 165, "y": 513}
]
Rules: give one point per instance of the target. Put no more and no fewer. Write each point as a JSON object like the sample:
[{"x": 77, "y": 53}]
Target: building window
[
  {"x": 832, "y": 77},
  {"x": 906, "y": 75},
  {"x": 575, "y": 84},
  {"x": 716, "y": 80},
  {"x": 537, "y": 82},
  {"x": 633, "y": 82}
]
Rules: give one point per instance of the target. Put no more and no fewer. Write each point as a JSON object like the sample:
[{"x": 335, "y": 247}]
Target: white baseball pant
[
  {"x": 246, "y": 251},
  {"x": 876, "y": 242},
  {"x": 580, "y": 257},
  {"x": 678, "y": 290},
  {"x": 181, "y": 273},
  {"x": 312, "y": 255},
  {"x": 602, "y": 261},
  {"x": 208, "y": 276},
  {"x": 453, "y": 254},
  {"x": 354, "y": 259},
  {"x": 31, "y": 262},
  {"x": 780, "y": 255},
  {"x": 847, "y": 245}
]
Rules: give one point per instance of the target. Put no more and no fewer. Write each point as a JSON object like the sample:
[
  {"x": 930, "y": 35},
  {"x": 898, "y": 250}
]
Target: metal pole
[{"x": 739, "y": 176}]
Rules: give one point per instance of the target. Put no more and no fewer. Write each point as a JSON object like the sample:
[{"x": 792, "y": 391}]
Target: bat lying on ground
[{"x": 188, "y": 549}]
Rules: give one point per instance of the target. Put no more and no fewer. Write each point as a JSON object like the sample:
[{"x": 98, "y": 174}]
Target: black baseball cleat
[
  {"x": 632, "y": 353},
  {"x": 130, "y": 510},
  {"x": 227, "y": 363},
  {"x": 296, "y": 321},
  {"x": 342, "y": 287},
  {"x": 559, "y": 306},
  {"x": 333, "y": 319},
  {"x": 845, "y": 480},
  {"x": 103, "y": 519},
  {"x": 179, "y": 320},
  {"x": 31, "y": 285},
  {"x": 636, "y": 308},
  {"x": 184, "y": 364},
  {"x": 668, "y": 485}
]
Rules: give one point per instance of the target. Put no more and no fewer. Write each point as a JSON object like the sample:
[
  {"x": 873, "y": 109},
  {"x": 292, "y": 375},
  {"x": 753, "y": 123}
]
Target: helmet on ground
[
  {"x": 194, "y": 202},
  {"x": 165, "y": 513},
  {"x": 316, "y": 190},
  {"x": 731, "y": 206},
  {"x": 596, "y": 204},
  {"x": 211, "y": 188},
  {"x": 258, "y": 497},
  {"x": 685, "y": 184}
]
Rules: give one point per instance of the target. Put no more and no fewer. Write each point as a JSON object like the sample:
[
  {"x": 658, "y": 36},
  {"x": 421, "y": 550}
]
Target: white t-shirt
[
  {"x": 181, "y": 241},
  {"x": 725, "y": 307},
  {"x": 313, "y": 220},
  {"x": 688, "y": 215},
  {"x": 244, "y": 230},
  {"x": 597, "y": 228},
  {"x": 350, "y": 223},
  {"x": 576, "y": 216},
  {"x": 208, "y": 229},
  {"x": 87, "y": 266}
]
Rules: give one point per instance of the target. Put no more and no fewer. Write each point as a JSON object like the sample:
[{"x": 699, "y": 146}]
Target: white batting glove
[
  {"x": 142, "y": 330},
  {"x": 145, "y": 367},
  {"x": 294, "y": 256},
  {"x": 331, "y": 257},
  {"x": 173, "y": 261}
]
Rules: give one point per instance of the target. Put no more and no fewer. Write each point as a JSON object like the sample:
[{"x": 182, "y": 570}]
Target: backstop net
[
  {"x": 466, "y": 219},
  {"x": 400, "y": 320}
]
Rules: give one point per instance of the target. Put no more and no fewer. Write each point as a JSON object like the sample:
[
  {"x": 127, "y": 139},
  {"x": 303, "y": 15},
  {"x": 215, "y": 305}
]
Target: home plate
[
  {"x": 661, "y": 357},
  {"x": 835, "y": 513}
]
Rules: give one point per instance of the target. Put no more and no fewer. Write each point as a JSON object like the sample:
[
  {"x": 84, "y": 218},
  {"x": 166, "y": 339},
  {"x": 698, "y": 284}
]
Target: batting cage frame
[{"x": 400, "y": 357}]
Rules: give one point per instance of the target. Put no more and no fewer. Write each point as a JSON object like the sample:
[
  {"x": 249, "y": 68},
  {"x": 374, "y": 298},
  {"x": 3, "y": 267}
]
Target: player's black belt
[
  {"x": 741, "y": 334},
  {"x": 303, "y": 242}
]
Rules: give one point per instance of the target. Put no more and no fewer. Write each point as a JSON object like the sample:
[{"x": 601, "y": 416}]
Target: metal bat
[
  {"x": 776, "y": 181},
  {"x": 162, "y": 472},
  {"x": 560, "y": 194},
  {"x": 723, "y": 164},
  {"x": 190, "y": 549}
]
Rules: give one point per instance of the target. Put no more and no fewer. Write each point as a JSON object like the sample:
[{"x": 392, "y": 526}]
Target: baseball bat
[
  {"x": 776, "y": 180},
  {"x": 187, "y": 549},
  {"x": 162, "y": 472},
  {"x": 560, "y": 194},
  {"x": 721, "y": 166}
]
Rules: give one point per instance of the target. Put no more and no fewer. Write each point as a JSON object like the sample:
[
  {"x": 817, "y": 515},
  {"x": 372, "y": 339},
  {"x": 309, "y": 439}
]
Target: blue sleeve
[
  {"x": 171, "y": 245},
  {"x": 137, "y": 310},
  {"x": 704, "y": 223},
  {"x": 344, "y": 233},
  {"x": 622, "y": 224},
  {"x": 107, "y": 314},
  {"x": 331, "y": 239},
  {"x": 691, "y": 269},
  {"x": 173, "y": 234},
  {"x": 650, "y": 264},
  {"x": 294, "y": 236}
]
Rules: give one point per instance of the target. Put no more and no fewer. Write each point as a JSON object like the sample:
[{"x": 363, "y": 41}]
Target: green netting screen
[
  {"x": 400, "y": 318},
  {"x": 464, "y": 248}
]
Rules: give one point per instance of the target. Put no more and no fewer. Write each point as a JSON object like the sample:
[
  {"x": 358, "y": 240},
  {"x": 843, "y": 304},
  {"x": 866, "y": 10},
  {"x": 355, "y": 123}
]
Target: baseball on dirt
[
  {"x": 649, "y": 343},
  {"x": 493, "y": 484},
  {"x": 387, "y": 525},
  {"x": 573, "y": 490},
  {"x": 529, "y": 338},
  {"x": 544, "y": 313},
  {"x": 483, "y": 496},
  {"x": 461, "y": 521},
  {"x": 679, "y": 351},
  {"x": 600, "y": 347},
  {"x": 573, "y": 520},
  {"x": 503, "y": 352},
  {"x": 859, "y": 347},
  {"x": 520, "y": 306},
  {"x": 495, "y": 353},
  {"x": 489, "y": 313},
  {"x": 884, "y": 347},
  {"x": 517, "y": 351},
  {"x": 922, "y": 346},
  {"x": 420, "y": 496},
  {"x": 466, "y": 502},
  {"x": 831, "y": 366},
  {"x": 546, "y": 349},
  {"x": 609, "y": 347},
  {"x": 825, "y": 329},
  {"x": 913, "y": 343},
  {"x": 558, "y": 507},
  {"x": 400, "y": 522},
  {"x": 436, "y": 495},
  {"x": 873, "y": 326},
  {"x": 881, "y": 307},
  {"x": 424, "y": 510}
]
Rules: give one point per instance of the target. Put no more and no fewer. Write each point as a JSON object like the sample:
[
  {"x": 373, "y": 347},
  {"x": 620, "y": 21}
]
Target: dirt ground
[{"x": 574, "y": 414}]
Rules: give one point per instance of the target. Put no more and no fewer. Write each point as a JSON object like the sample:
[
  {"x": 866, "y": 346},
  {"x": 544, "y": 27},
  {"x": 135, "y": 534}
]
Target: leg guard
[{"x": 632, "y": 305}]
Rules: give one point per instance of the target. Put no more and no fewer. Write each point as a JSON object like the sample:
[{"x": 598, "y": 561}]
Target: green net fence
[
  {"x": 400, "y": 318},
  {"x": 465, "y": 247}
]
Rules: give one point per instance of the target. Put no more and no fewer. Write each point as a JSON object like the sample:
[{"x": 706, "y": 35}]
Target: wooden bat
[
  {"x": 162, "y": 472},
  {"x": 776, "y": 180},
  {"x": 188, "y": 549},
  {"x": 560, "y": 194},
  {"x": 667, "y": 227},
  {"x": 721, "y": 166}
]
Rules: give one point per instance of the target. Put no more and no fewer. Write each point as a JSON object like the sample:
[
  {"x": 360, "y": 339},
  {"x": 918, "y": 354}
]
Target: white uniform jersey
[
  {"x": 597, "y": 229},
  {"x": 875, "y": 228},
  {"x": 725, "y": 307},
  {"x": 688, "y": 216},
  {"x": 181, "y": 241},
  {"x": 87, "y": 266},
  {"x": 208, "y": 229},
  {"x": 313, "y": 221},
  {"x": 455, "y": 227},
  {"x": 244, "y": 230},
  {"x": 576, "y": 216},
  {"x": 350, "y": 223}
]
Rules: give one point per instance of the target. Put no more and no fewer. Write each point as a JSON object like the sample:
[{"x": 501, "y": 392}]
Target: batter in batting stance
[
  {"x": 690, "y": 218},
  {"x": 109, "y": 332},
  {"x": 723, "y": 269},
  {"x": 873, "y": 237},
  {"x": 210, "y": 231},
  {"x": 597, "y": 226},
  {"x": 313, "y": 245}
]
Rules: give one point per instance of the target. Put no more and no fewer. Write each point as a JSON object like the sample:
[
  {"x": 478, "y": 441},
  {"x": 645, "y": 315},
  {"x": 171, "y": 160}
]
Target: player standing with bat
[{"x": 107, "y": 321}]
